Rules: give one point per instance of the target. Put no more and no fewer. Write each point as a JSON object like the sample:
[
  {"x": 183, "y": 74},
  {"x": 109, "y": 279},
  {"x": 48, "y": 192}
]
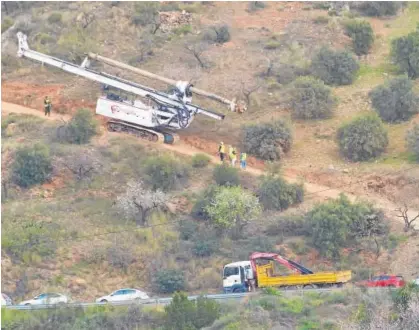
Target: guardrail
[{"x": 163, "y": 301}]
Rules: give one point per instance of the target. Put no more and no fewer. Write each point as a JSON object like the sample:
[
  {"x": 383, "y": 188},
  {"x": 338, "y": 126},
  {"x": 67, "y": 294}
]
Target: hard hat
[{"x": 221, "y": 142}]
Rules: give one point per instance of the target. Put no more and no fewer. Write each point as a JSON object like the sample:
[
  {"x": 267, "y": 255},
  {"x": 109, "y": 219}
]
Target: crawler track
[{"x": 142, "y": 132}]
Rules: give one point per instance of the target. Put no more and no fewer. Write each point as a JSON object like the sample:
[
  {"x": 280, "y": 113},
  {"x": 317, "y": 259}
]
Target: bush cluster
[
  {"x": 218, "y": 34},
  {"x": 412, "y": 139},
  {"x": 225, "y": 175},
  {"x": 165, "y": 172},
  {"x": 334, "y": 67},
  {"x": 6, "y": 23},
  {"x": 395, "y": 100},
  {"x": 183, "y": 313},
  {"x": 54, "y": 18},
  {"x": 311, "y": 99},
  {"x": 255, "y": 5},
  {"x": 362, "y": 35},
  {"x": 276, "y": 194},
  {"x": 169, "y": 280},
  {"x": 379, "y": 8},
  {"x": 267, "y": 141},
  {"x": 334, "y": 224},
  {"x": 200, "y": 160},
  {"x": 32, "y": 165},
  {"x": 81, "y": 128},
  {"x": 405, "y": 53},
  {"x": 363, "y": 138}
]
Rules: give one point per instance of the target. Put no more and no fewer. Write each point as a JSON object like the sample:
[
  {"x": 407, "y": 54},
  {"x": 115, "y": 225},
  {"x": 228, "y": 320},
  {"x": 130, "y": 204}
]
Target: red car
[{"x": 395, "y": 281}]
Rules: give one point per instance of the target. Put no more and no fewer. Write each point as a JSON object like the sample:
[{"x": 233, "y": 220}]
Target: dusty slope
[{"x": 313, "y": 190}]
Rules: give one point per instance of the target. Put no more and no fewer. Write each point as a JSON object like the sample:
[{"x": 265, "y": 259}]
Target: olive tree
[
  {"x": 335, "y": 224},
  {"x": 233, "y": 208},
  {"x": 405, "y": 52},
  {"x": 334, "y": 67},
  {"x": 361, "y": 34},
  {"x": 363, "y": 138},
  {"x": 138, "y": 202},
  {"x": 395, "y": 100},
  {"x": 268, "y": 141},
  {"x": 412, "y": 139},
  {"x": 32, "y": 165},
  {"x": 311, "y": 99}
]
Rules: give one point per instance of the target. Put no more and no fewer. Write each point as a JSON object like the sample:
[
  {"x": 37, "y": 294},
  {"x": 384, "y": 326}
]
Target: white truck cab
[{"x": 234, "y": 276}]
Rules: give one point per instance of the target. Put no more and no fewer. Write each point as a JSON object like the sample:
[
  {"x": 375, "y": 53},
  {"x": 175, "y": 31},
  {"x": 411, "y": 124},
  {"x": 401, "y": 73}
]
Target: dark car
[{"x": 395, "y": 281}]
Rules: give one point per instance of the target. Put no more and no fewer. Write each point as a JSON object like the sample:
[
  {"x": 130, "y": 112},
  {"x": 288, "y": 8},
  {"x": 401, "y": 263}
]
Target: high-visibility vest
[
  {"x": 243, "y": 156},
  {"x": 233, "y": 153},
  {"x": 221, "y": 149}
]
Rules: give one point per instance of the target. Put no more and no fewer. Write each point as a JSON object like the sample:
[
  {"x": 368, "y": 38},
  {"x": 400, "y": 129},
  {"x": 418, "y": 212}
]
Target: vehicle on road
[
  {"x": 395, "y": 281},
  {"x": 260, "y": 272},
  {"x": 5, "y": 300},
  {"x": 124, "y": 295},
  {"x": 47, "y": 299}
]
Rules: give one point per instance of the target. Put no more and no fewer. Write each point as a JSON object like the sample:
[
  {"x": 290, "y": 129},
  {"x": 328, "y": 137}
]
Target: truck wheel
[{"x": 310, "y": 286}]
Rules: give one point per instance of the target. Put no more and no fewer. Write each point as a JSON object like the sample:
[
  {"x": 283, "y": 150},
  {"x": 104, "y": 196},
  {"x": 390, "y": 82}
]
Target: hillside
[{"x": 69, "y": 234}]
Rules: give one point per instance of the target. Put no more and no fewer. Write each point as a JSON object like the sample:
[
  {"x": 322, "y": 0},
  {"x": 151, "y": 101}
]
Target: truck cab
[{"x": 234, "y": 277}]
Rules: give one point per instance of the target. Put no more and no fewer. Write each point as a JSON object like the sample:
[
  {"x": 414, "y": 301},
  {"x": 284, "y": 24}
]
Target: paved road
[{"x": 165, "y": 301}]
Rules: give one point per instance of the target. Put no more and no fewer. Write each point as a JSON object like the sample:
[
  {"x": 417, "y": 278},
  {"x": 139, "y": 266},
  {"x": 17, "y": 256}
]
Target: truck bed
[{"x": 266, "y": 280}]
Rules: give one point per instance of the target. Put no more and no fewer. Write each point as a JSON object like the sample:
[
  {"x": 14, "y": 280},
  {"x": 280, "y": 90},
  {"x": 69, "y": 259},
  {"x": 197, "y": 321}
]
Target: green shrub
[
  {"x": 321, "y": 20},
  {"x": 6, "y": 23},
  {"x": 395, "y": 100},
  {"x": 54, "y": 18},
  {"x": 184, "y": 314},
  {"x": 183, "y": 30},
  {"x": 362, "y": 35},
  {"x": 267, "y": 141},
  {"x": 334, "y": 67},
  {"x": 165, "y": 172},
  {"x": 255, "y": 5},
  {"x": 272, "y": 44},
  {"x": 412, "y": 139},
  {"x": 44, "y": 38},
  {"x": 169, "y": 280},
  {"x": 29, "y": 241},
  {"x": 145, "y": 13},
  {"x": 218, "y": 34},
  {"x": 379, "y": 8},
  {"x": 200, "y": 160},
  {"x": 363, "y": 138},
  {"x": 187, "y": 229},
  {"x": 81, "y": 128},
  {"x": 204, "y": 247},
  {"x": 311, "y": 99},
  {"x": 276, "y": 194},
  {"x": 336, "y": 223},
  {"x": 405, "y": 53},
  {"x": 224, "y": 175},
  {"x": 32, "y": 165}
]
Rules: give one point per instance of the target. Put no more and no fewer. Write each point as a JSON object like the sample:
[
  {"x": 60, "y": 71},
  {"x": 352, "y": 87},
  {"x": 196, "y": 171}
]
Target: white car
[
  {"x": 46, "y": 299},
  {"x": 124, "y": 295},
  {"x": 5, "y": 300}
]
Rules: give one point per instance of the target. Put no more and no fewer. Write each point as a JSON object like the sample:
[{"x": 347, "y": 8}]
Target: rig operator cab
[{"x": 234, "y": 277}]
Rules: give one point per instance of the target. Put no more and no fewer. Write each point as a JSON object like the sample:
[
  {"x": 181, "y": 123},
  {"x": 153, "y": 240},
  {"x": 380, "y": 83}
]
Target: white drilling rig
[{"x": 134, "y": 108}]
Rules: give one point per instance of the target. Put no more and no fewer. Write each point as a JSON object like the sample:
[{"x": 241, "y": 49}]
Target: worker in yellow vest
[
  {"x": 222, "y": 151},
  {"x": 233, "y": 155},
  {"x": 243, "y": 157},
  {"x": 47, "y": 106}
]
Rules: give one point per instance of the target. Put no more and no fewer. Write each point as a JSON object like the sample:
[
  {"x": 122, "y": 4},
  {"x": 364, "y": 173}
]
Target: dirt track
[{"x": 312, "y": 190}]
